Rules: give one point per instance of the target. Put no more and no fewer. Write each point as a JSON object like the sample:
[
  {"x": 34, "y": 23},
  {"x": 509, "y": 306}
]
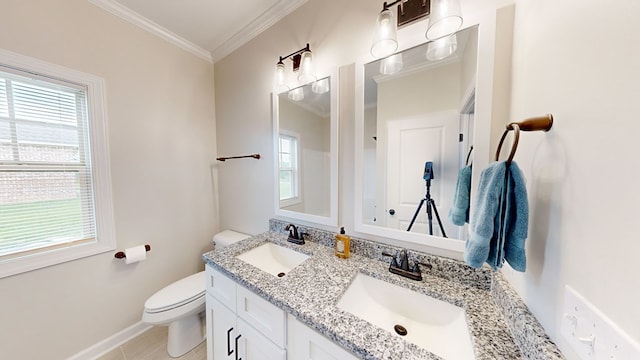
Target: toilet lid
[{"x": 180, "y": 292}]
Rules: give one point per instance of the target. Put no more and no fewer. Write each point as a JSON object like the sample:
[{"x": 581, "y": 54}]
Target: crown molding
[
  {"x": 129, "y": 15},
  {"x": 276, "y": 12}
]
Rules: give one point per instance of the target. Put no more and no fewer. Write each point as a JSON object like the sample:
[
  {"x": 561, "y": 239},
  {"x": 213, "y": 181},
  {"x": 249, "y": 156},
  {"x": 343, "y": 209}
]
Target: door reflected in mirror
[
  {"x": 418, "y": 122},
  {"x": 305, "y": 127}
]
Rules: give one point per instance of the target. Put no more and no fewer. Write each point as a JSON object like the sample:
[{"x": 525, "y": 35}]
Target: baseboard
[{"x": 110, "y": 343}]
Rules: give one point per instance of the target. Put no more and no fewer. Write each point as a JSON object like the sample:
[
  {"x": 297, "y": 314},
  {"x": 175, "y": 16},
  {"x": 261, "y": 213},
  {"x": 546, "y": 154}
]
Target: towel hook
[
  {"x": 469, "y": 155},
  {"x": 539, "y": 123}
]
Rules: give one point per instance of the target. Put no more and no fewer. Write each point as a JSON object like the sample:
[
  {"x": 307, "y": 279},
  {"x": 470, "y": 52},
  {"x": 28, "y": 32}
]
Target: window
[
  {"x": 288, "y": 161},
  {"x": 55, "y": 197}
]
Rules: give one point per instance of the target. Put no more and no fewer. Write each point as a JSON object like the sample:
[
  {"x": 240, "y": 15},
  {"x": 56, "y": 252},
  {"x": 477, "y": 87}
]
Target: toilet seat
[{"x": 177, "y": 294}]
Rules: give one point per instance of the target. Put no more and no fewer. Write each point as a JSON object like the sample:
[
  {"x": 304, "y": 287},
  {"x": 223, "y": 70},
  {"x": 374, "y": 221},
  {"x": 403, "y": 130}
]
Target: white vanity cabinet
[
  {"x": 243, "y": 326},
  {"x": 240, "y": 324}
]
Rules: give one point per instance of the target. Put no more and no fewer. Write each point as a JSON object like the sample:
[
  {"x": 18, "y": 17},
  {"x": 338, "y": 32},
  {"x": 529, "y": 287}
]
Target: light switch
[{"x": 591, "y": 334}]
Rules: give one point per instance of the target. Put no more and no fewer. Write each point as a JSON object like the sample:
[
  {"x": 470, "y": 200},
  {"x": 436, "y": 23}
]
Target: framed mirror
[
  {"x": 306, "y": 152},
  {"x": 422, "y": 115}
]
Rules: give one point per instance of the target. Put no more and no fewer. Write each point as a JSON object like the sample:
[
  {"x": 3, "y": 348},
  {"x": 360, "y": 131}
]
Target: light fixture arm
[
  {"x": 296, "y": 56},
  {"x": 386, "y": 5}
]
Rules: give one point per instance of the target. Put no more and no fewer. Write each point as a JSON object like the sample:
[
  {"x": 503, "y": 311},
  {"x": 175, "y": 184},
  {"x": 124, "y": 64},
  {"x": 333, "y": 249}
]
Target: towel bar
[{"x": 255, "y": 156}]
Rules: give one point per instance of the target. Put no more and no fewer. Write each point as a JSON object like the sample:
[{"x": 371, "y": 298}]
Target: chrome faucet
[
  {"x": 294, "y": 236},
  {"x": 402, "y": 269}
]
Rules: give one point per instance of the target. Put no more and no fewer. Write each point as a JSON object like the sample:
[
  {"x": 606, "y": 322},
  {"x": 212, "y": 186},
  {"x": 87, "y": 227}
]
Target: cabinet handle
[
  {"x": 237, "y": 337},
  {"x": 229, "y": 350}
]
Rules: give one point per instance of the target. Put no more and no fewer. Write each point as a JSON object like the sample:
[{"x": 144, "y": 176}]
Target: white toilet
[{"x": 180, "y": 305}]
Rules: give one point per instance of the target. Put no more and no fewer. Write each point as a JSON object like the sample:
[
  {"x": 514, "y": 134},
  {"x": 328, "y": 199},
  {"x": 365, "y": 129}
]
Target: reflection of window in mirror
[{"x": 288, "y": 169}]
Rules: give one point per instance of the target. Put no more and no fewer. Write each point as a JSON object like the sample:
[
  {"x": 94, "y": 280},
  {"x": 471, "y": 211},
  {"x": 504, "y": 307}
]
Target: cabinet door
[
  {"x": 209, "y": 328},
  {"x": 305, "y": 343},
  {"x": 221, "y": 331},
  {"x": 253, "y": 345}
]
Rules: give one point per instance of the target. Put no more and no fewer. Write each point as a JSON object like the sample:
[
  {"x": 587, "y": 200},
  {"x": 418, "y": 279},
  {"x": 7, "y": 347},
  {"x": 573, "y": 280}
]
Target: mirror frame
[
  {"x": 411, "y": 36},
  {"x": 332, "y": 219}
]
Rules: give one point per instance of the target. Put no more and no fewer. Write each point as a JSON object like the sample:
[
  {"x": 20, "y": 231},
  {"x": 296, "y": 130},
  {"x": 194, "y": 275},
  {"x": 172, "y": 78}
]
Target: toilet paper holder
[{"x": 121, "y": 255}]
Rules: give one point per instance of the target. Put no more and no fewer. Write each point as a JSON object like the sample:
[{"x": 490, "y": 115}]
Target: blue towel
[
  {"x": 500, "y": 220},
  {"x": 459, "y": 213}
]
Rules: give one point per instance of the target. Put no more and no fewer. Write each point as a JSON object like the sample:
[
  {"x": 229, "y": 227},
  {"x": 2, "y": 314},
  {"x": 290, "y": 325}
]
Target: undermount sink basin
[
  {"x": 274, "y": 259},
  {"x": 435, "y": 325}
]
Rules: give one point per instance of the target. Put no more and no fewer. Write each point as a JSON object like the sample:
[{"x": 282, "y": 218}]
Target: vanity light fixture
[
  {"x": 302, "y": 68},
  {"x": 445, "y": 18}
]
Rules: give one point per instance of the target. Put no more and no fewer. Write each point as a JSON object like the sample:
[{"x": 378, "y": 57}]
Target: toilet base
[{"x": 184, "y": 335}]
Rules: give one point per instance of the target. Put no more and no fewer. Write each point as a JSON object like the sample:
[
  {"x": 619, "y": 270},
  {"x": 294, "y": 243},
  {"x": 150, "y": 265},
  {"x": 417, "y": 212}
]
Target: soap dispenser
[{"x": 343, "y": 242}]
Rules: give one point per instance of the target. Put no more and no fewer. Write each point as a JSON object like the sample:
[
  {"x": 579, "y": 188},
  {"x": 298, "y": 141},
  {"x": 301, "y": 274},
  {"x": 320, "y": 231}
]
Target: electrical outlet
[{"x": 591, "y": 334}]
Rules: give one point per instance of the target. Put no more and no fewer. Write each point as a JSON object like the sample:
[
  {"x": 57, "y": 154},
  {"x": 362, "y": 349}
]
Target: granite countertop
[{"x": 311, "y": 291}]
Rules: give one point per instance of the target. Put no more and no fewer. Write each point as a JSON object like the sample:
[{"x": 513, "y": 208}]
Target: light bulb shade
[
  {"x": 391, "y": 64},
  {"x": 296, "y": 94},
  {"x": 445, "y": 18},
  {"x": 442, "y": 48},
  {"x": 305, "y": 74},
  {"x": 385, "y": 40},
  {"x": 279, "y": 78},
  {"x": 321, "y": 86}
]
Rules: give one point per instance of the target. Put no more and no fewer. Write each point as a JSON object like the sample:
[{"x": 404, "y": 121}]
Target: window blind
[{"x": 46, "y": 190}]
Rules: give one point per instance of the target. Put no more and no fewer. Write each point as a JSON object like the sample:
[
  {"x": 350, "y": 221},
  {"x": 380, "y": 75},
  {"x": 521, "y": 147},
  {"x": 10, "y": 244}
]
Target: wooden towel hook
[{"x": 539, "y": 123}]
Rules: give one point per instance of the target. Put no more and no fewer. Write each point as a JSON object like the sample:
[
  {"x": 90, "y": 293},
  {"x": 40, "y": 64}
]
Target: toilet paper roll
[{"x": 135, "y": 254}]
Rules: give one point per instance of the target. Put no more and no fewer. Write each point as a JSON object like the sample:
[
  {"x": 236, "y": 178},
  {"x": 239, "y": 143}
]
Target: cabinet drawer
[
  {"x": 265, "y": 317},
  {"x": 255, "y": 346},
  {"x": 221, "y": 287}
]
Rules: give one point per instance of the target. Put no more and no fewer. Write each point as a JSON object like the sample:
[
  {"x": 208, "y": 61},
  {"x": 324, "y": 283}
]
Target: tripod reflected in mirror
[{"x": 430, "y": 203}]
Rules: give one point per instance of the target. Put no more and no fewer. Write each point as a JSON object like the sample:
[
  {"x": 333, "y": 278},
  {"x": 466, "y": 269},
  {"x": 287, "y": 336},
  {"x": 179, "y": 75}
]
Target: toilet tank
[{"x": 228, "y": 237}]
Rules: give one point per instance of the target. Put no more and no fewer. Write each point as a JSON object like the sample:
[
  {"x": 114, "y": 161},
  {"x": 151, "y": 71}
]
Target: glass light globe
[
  {"x": 445, "y": 18},
  {"x": 442, "y": 48},
  {"x": 391, "y": 64},
  {"x": 296, "y": 94},
  {"x": 305, "y": 74},
  {"x": 385, "y": 40}
]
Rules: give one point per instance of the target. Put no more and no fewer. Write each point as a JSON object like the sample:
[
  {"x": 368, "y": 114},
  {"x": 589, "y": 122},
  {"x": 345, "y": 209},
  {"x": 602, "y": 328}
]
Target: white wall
[
  {"x": 162, "y": 141},
  {"x": 335, "y": 30},
  {"x": 575, "y": 59},
  {"x": 579, "y": 60}
]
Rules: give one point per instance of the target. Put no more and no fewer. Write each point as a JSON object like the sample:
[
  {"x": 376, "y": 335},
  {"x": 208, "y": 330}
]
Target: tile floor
[{"x": 152, "y": 345}]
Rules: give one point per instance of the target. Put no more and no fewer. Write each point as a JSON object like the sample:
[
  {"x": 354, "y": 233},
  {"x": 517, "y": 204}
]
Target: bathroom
[{"x": 171, "y": 113}]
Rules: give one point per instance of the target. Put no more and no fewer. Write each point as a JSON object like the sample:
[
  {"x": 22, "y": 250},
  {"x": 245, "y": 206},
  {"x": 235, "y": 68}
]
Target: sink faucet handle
[
  {"x": 394, "y": 262},
  {"x": 426, "y": 265}
]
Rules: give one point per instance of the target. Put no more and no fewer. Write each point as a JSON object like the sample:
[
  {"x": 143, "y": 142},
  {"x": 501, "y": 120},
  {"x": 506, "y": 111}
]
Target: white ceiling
[{"x": 210, "y": 29}]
